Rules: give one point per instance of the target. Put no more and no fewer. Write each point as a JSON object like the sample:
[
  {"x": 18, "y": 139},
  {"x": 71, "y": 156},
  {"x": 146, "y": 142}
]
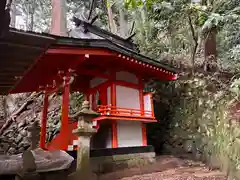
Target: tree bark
[
  {"x": 210, "y": 51},
  {"x": 210, "y": 47},
  {"x": 13, "y": 15},
  {"x": 123, "y": 23},
  {"x": 111, "y": 23},
  {"x": 195, "y": 39},
  {"x": 31, "y": 24},
  {"x": 59, "y": 20}
]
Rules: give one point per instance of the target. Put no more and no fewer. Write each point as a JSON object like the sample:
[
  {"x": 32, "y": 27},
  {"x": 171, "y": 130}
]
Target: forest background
[{"x": 199, "y": 113}]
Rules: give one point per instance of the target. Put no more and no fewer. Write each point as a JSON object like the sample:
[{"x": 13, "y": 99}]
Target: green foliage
[
  {"x": 235, "y": 88},
  {"x": 35, "y": 13},
  {"x": 76, "y": 102},
  {"x": 163, "y": 28},
  {"x": 203, "y": 119}
]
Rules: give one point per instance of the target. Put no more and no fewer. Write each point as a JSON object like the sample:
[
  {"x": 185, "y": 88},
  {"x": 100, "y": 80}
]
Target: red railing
[{"x": 109, "y": 110}]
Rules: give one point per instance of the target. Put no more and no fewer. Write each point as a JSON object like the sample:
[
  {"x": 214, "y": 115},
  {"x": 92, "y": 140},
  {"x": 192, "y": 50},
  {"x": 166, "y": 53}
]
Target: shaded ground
[{"x": 169, "y": 168}]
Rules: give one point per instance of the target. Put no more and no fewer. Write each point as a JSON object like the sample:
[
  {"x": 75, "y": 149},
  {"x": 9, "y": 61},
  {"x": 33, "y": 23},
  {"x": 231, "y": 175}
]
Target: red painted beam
[
  {"x": 95, "y": 73},
  {"x": 144, "y": 134},
  {"x": 65, "y": 111},
  {"x": 129, "y": 118},
  {"x": 44, "y": 122},
  {"x": 80, "y": 51},
  {"x": 58, "y": 78}
]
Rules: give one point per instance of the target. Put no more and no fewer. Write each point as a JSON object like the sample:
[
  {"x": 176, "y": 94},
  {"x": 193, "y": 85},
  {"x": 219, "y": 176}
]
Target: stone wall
[
  {"x": 104, "y": 164},
  {"x": 22, "y": 110},
  {"x": 108, "y": 160}
]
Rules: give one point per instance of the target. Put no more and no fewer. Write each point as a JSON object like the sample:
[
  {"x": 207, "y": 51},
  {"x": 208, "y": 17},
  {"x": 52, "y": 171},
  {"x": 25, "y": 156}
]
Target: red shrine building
[{"x": 106, "y": 68}]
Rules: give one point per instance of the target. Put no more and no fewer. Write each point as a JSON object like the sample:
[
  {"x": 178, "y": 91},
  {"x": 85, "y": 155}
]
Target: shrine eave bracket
[{"x": 20, "y": 50}]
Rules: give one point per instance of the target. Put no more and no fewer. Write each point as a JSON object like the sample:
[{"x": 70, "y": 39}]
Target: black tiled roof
[
  {"x": 88, "y": 27},
  {"x": 19, "y": 51}
]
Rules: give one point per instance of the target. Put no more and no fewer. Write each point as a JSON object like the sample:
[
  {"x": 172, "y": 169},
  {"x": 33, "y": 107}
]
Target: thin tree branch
[
  {"x": 195, "y": 39},
  {"x": 132, "y": 27},
  {"x": 9, "y": 3},
  {"x": 91, "y": 9}
]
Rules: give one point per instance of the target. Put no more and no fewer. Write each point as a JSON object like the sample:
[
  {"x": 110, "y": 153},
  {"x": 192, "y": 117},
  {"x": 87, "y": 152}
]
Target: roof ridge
[{"x": 125, "y": 42}]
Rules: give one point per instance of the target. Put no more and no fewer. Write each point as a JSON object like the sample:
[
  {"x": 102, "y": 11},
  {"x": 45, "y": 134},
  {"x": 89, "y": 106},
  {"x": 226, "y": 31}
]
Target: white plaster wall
[
  {"x": 147, "y": 104},
  {"x": 129, "y": 133},
  {"x": 109, "y": 95},
  {"x": 127, "y": 77},
  {"x": 97, "y": 81},
  {"x": 127, "y": 98},
  {"x": 109, "y": 139}
]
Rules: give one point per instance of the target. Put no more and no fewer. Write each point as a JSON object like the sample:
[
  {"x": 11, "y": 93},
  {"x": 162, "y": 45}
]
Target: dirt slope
[{"x": 169, "y": 168}]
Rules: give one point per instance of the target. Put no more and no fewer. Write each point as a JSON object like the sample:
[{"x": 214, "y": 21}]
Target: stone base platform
[{"x": 109, "y": 160}]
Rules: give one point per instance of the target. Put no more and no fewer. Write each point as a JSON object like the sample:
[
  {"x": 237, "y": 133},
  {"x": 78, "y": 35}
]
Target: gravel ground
[{"x": 169, "y": 168}]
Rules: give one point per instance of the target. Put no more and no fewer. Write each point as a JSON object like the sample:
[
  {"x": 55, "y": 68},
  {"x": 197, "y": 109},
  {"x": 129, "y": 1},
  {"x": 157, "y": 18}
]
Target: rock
[
  {"x": 188, "y": 145},
  {"x": 7, "y": 132},
  {"x": 13, "y": 127},
  {"x": 25, "y": 142},
  {"x": 21, "y": 123},
  {"x": 28, "y": 171},
  {"x": 16, "y": 133},
  {"x": 28, "y": 134},
  {"x": 10, "y": 134},
  {"x": 12, "y": 151},
  {"x": 23, "y": 133},
  {"x": 4, "y": 146},
  {"x": 19, "y": 138},
  {"x": 21, "y": 149}
]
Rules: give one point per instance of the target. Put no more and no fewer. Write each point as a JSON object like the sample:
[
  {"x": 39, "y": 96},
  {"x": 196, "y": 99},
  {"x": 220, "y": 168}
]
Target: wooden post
[
  {"x": 65, "y": 110},
  {"x": 144, "y": 134},
  {"x": 114, "y": 134},
  {"x": 114, "y": 104},
  {"x": 141, "y": 98},
  {"x": 44, "y": 122}
]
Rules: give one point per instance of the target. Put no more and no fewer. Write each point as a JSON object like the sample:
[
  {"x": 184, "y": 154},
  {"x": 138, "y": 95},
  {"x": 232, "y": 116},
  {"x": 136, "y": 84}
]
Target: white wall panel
[
  {"x": 147, "y": 103},
  {"x": 109, "y": 95},
  {"x": 109, "y": 139},
  {"x": 97, "y": 81},
  {"x": 127, "y": 77},
  {"x": 127, "y": 97},
  {"x": 129, "y": 133}
]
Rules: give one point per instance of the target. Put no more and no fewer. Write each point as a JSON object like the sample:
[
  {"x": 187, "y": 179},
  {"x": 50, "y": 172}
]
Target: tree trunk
[
  {"x": 59, "y": 20},
  {"x": 210, "y": 44},
  {"x": 210, "y": 51},
  {"x": 31, "y": 24},
  {"x": 13, "y": 16},
  {"x": 111, "y": 23},
  {"x": 123, "y": 23}
]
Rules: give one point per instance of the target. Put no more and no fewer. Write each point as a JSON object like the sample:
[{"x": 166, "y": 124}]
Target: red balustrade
[{"x": 109, "y": 110}]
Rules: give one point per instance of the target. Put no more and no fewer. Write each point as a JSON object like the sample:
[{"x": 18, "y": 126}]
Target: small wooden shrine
[{"x": 106, "y": 68}]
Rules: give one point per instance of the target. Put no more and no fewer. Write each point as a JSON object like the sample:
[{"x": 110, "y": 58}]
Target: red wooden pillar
[
  {"x": 114, "y": 103},
  {"x": 44, "y": 122},
  {"x": 65, "y": 111},
  {"x": 141, "y": 97},
  {"x": 144, "y": 134}
]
